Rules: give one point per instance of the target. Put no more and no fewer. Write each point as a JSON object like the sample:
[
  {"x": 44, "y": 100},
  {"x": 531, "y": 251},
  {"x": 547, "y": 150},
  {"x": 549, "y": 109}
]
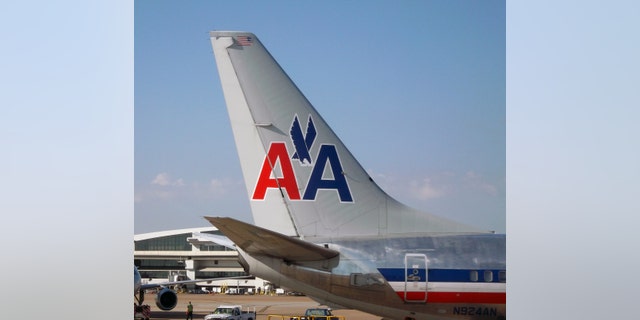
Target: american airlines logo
[{"x": 326, "y": 168}]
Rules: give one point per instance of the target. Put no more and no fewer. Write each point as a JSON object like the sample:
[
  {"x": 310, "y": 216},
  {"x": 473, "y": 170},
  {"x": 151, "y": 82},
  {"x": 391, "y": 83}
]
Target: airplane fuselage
[
  {"x": 137, "y": 280},
  {"x": 402, "y": 277}
]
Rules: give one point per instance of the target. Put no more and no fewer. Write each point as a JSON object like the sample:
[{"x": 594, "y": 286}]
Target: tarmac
[{"x": 264, "y": 305}]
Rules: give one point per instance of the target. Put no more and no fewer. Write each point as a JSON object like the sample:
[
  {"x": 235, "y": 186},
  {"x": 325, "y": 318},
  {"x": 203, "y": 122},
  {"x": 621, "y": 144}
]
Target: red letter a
[{"x": 277, "y": 152}]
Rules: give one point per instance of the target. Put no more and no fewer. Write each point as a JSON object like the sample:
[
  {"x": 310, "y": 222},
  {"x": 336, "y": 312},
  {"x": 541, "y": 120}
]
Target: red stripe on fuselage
[{"x": 457, "y": 297}]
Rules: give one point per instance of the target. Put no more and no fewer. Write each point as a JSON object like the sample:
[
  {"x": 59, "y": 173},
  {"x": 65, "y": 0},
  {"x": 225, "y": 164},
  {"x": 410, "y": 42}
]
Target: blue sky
[{"x": 416, "y": 90}]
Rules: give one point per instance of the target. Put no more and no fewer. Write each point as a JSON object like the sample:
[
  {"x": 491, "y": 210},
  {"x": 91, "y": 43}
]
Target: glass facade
[
  {"x": 214, "y": 247},
  {"x": 169, "y": 243},
  {"x": 162, "y": 265},
  {"x": 217, "y": 274}
]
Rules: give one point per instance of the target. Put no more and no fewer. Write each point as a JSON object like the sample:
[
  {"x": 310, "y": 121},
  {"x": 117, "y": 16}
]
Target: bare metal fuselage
[{"x": 420, "y": 277}]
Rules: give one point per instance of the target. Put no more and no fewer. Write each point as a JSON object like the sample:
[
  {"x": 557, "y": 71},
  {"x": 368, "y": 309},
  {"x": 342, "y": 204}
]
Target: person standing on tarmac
[{"x": 189, "y": 311}]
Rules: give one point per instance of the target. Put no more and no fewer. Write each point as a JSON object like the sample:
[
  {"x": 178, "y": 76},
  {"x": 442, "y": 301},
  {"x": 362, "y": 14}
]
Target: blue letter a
[{"x": 328, "y": 154}]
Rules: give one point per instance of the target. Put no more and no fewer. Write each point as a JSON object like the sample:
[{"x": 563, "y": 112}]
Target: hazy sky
[{"x": 416, "y": 90}]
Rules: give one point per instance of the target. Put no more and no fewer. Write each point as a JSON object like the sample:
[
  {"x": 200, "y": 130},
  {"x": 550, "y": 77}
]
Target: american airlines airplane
[
  {"x": 324, "y": 227},
  {"x": 166, "y": 299}
]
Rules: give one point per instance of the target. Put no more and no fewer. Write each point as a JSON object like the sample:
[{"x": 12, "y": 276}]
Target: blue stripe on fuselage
[{"x": 438, "y": 275}]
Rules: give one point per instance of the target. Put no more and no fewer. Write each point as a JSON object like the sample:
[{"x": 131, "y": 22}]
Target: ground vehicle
[
  {"x": 228, "y": 312},
  {"x": 318, "y": 314},
  {"x": 141, "y": 312}
]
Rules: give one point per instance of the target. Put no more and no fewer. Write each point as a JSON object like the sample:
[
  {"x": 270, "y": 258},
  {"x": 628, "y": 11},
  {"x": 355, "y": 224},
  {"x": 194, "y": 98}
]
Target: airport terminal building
[{"x": 191, "y": 254}]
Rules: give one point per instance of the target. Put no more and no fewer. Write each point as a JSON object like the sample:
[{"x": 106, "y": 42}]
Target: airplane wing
[
  {"x": 260, "y": 241},
  {"x": 171, "y": 283}
]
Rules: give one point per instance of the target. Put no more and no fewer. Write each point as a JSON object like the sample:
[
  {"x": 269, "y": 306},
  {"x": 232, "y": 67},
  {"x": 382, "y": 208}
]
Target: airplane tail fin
[{"x": 300, "y": 178}]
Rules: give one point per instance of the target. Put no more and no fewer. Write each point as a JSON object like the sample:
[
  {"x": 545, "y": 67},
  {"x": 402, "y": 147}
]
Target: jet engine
[{"x": 166, "y": 299}]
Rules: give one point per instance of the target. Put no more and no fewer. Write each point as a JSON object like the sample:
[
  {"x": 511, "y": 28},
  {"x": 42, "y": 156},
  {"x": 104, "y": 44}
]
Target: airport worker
[{"x": 189, "y": 311}]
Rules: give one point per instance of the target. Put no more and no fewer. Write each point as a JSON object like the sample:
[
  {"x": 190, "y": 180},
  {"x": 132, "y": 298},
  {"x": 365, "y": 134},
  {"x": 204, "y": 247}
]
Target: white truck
[{"x": 227, "y": 312}]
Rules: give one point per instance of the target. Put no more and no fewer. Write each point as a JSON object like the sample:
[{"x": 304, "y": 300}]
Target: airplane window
[
  {"x": 473, "y": 275},
  {"x": 502, "y": 276},
  {"x": 488, "y": 276}
]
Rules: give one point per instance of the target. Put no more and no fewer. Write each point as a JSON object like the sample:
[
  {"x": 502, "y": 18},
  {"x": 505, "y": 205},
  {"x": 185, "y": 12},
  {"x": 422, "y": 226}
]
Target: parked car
[{"x": 227, "y": 312}]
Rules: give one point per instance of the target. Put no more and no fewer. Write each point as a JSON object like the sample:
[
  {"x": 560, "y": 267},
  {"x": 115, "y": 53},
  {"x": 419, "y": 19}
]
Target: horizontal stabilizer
[{"x": 259, "y": 241}]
